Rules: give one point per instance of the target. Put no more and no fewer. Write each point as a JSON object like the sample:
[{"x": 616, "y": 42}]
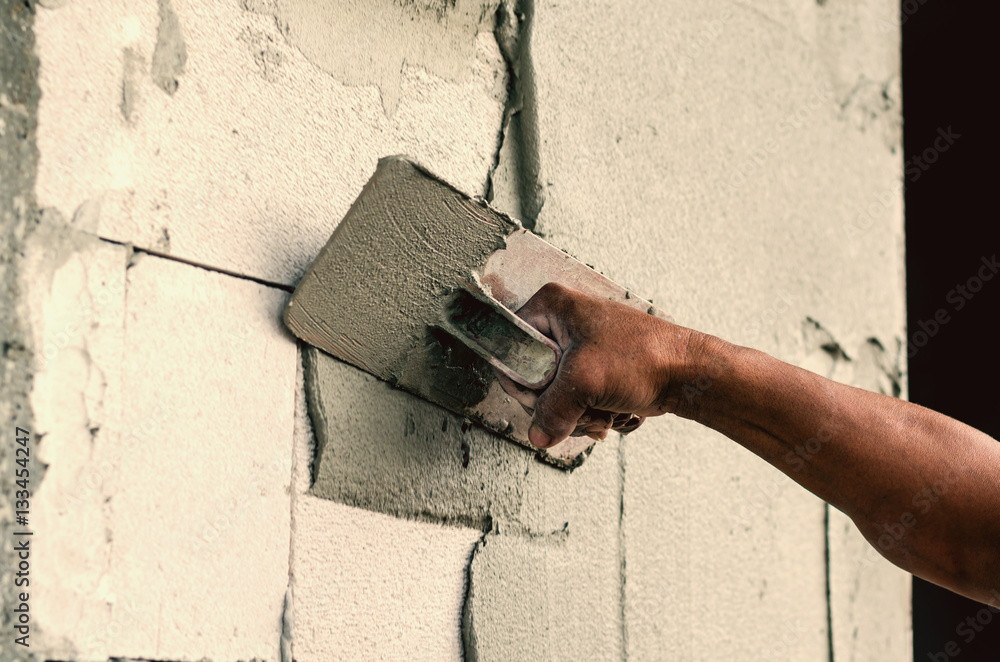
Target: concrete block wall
[
  {"x": 739, "y": 164},
  {"x": 166, "y": 420}
]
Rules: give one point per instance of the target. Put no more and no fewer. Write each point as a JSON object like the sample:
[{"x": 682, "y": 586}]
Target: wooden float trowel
[{"x": 418, "y": 285}]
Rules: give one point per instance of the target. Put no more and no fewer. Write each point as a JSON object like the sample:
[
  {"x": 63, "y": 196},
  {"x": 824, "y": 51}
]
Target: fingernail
[{"x": 538, "y": 438}]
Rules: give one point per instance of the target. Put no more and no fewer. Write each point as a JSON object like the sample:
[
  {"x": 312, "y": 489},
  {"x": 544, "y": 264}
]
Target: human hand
[{"x": 615, "y": 368}]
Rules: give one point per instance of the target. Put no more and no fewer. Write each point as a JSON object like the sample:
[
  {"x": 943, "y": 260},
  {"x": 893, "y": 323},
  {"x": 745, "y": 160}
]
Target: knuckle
[
  {"x": 556, "y": 296},
  {"x": 553, "y": 289}
]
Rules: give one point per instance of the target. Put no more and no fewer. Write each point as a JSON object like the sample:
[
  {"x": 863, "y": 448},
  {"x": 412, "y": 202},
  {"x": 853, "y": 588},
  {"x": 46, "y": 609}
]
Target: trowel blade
[{"x": 375, "y": 294}]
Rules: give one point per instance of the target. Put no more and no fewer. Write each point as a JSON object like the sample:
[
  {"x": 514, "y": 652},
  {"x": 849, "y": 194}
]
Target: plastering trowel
[{"x": 418, "y": 284}]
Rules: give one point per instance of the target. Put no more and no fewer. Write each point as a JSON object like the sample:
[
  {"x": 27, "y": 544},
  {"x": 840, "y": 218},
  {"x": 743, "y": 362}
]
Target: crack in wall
[
  {"x": 303, "y": 457},
  {"x": 287, "y": 623}
]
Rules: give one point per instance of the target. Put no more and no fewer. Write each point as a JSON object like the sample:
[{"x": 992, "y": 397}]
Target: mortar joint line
[{"x": 194, "y": 263}]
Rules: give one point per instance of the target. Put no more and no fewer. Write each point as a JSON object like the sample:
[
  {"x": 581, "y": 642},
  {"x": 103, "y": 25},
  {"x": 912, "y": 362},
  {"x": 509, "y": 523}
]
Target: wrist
[{"x": 696, "y": 373}]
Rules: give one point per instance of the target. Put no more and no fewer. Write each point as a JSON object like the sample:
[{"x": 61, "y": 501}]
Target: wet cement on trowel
[{"x": 379, "y": 286}]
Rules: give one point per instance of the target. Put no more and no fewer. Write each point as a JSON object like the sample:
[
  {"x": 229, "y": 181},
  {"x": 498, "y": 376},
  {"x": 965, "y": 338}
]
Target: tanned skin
[{"x": 923, "y": 489}]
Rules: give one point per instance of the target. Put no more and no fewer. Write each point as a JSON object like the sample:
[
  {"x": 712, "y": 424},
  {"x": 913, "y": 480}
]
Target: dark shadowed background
[{"x": 950, "y": 80}]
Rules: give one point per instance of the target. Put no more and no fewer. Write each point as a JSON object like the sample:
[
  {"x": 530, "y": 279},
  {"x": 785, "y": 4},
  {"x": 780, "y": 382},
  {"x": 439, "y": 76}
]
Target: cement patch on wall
[
  {"x": 435, "y": 35},
  {"x": 388, "y": 451}
]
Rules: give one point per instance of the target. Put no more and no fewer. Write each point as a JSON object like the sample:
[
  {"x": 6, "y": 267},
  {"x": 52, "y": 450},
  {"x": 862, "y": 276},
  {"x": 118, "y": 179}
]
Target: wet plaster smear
[
  {"x": 407, "y": 242},
  {"x": 170, "y": 54}
]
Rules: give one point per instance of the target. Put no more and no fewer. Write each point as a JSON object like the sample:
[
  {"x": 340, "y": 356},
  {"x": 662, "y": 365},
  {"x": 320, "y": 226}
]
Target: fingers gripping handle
[
  {"x": 508, "y": 343},
  {"x": 516, "y": 349}
]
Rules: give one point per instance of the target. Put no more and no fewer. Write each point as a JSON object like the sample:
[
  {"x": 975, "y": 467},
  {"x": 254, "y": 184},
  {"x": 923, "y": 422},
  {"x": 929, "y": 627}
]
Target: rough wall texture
[
  {"x": 253, "y": 153},
  {"x": 740, "y": 164}
]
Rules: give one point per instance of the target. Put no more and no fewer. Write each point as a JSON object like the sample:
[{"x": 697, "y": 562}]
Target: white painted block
[
  {"x": 741, "y": 166},
  {"x": 75, "y": 290},
  {"x": 870, "y": 598},
  {"x": 369, "y": 586},
  {"x": 249, "y": 164},
  {"x": 710, "y": 533},
  {"x": 202, "y": 507},
  {"x": 548, "y": 587},
  {"x": 162, "y": 523}
]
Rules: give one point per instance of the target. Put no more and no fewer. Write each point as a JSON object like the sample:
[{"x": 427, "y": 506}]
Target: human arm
[{"x": 930, "y": 483}]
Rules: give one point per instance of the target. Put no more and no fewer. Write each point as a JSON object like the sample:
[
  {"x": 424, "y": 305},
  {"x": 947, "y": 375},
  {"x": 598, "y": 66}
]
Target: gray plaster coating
[
  {"x": 520, "y": 129},
  {"x": 133, "y": 68},
  {"x": 170, "y": 54},
  {"x": 407, "y": 242},
  {"x": 436, "y": 35},
  {"x": 19, "y": 95},
  {"x": 550, "y": 558},
  {"x": 381, "y": 449},
  {"x": 376, "y": 294}
]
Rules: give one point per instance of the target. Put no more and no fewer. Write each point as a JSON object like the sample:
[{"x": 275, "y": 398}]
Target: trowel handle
[
  {"x": 508, "y": 343},
  {"x": 515, "y": 348}
]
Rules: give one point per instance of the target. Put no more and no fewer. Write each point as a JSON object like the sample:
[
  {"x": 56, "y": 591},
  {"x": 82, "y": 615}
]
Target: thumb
[{"x": 556, "y": 414}]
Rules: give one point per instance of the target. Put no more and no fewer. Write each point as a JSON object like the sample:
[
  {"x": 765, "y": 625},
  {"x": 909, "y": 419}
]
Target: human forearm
[
  {"x": 926, "y": 481},
  {"x": 923, "y": 489}
]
